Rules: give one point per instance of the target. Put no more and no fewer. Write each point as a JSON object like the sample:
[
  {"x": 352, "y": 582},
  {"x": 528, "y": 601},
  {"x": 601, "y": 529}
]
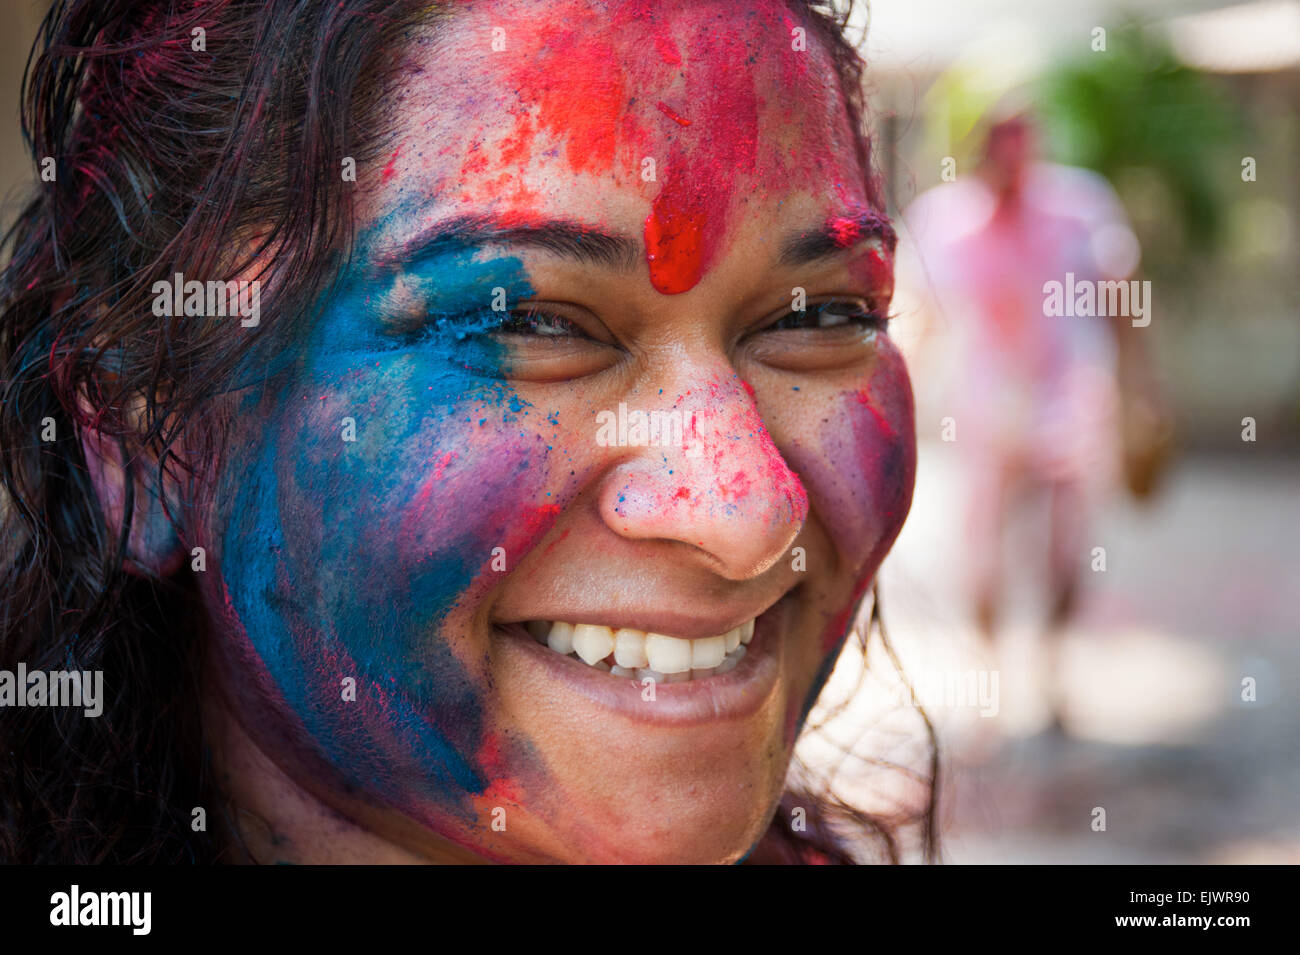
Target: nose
[{"x": 703, "y": 470}]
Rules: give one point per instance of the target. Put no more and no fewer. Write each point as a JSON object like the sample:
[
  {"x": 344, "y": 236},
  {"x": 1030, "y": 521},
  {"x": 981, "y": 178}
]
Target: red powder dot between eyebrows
[{"x": 674, "y": 245}]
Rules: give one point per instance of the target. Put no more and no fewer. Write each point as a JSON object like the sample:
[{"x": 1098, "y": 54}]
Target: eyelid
[
  {"x": 864, "y": 304},
  {"x": 584, "y": 324},
  {"x": 487, "y": 321}
]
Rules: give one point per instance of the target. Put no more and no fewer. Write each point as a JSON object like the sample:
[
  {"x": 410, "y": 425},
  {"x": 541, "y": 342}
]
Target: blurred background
[{"x": 1175, "y": 672}]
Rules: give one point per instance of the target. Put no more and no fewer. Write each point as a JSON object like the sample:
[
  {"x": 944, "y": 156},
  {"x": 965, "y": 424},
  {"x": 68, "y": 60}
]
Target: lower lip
[{"x": 733, "y": 695}]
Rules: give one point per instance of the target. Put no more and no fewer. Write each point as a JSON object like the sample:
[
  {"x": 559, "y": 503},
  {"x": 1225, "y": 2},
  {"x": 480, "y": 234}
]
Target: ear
[{"x": 153, "y": 547}]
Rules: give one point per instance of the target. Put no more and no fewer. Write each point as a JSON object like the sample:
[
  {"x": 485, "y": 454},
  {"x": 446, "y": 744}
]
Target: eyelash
[
  {"x": 853, "y": 313},
  {"x": 536, "y": 321},
  {"x": 525, "y": 321},
  {"x": 540, "y": 323}
]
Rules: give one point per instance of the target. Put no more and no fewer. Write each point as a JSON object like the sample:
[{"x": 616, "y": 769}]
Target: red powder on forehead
[
  {"x": 598, "y": 81},
  {"x": 689, "y": 216},
  {"x": 667, "y": 50},
  {"x": 673, "y": 114},
  {"x": 580, "y": 91}
]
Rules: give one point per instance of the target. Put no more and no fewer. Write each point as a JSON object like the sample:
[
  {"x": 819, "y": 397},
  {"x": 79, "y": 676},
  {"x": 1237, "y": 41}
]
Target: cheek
[
  {"x": 860, "y": 472},
  {"x": 860, "y": 479},
  {"x": 874, "y": 453},
  {"x": 361, "y": 559}
]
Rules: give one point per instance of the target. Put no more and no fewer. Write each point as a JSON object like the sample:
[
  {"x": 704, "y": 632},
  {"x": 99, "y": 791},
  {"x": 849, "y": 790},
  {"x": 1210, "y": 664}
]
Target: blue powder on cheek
[{"x": 434, "y": 711}]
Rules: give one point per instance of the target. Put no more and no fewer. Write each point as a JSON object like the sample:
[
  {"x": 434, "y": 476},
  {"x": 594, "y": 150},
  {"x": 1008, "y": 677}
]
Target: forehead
[{"x": 660, "y": 117}]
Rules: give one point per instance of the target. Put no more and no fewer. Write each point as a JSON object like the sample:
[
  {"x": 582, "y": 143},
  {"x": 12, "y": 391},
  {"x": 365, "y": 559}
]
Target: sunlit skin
[{"x": 373, "y": 560}]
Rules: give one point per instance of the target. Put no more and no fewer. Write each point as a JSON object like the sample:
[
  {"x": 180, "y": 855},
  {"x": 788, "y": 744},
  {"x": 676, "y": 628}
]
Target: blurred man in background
[{"x": 1035, "y": 395}]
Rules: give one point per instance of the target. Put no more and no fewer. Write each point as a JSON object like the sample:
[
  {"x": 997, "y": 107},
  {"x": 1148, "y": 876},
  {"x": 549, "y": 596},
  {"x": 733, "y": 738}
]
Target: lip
[{"x": 733, "y": 695}]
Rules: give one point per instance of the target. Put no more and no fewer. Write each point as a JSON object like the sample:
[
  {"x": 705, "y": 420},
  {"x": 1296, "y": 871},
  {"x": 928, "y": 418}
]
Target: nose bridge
[{"x": 709, "y": 475}]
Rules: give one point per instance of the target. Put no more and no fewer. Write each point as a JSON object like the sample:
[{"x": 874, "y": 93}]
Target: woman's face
[{"x": 590, "y": 213}]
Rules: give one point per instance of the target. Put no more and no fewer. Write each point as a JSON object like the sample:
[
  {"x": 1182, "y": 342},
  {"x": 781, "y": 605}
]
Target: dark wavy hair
[{"x": 162, "y": 153}]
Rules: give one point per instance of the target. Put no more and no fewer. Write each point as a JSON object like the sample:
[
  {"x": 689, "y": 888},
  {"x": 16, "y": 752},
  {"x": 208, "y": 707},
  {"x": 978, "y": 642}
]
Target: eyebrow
[
  {"x": 838, "y": 234},
  {"x": 564, "y": 238},
  {"x": 583, "y": 243}
]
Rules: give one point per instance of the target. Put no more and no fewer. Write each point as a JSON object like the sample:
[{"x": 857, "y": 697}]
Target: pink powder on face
[
  {"x": 731, "y": 427},
  {"x": 391, "y": 168}
]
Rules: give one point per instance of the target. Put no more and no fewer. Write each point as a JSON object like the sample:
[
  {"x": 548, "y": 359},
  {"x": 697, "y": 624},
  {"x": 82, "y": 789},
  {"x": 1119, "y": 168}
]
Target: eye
[
  {"x": 829, "y": 334},
  {"x": 835, "y": 313},
  {"x": 536, "y": 321},
  {"x": 527, "y": 321},
  {"x": 534, "y": 342}
]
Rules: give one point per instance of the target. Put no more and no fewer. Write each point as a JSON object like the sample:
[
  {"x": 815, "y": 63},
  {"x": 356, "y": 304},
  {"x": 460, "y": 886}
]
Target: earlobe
[{"x": 153, "y": 547}]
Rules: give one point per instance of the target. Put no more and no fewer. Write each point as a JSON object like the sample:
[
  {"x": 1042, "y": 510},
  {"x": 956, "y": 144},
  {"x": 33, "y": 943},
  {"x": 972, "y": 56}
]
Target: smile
[{"x": 625, "y": 652}]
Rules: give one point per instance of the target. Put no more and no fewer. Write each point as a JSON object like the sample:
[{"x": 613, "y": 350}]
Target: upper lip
[{"x": 708, "y": 622}]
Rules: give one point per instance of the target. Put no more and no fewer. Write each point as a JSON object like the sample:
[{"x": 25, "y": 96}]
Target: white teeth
[
  {"x": 645, "y": 656},
  {"x": 592, "y": 642},
  {"x": 629, "y": 649},
  {"x": 708, "y": 653},
  {"x": 560, "y": 639},
  {"x": 730, "y": 661},
  {"x": 667, "y": 654}
]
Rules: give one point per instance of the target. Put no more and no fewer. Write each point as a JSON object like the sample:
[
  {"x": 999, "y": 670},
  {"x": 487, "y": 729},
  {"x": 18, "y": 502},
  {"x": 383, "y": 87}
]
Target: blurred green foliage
[{"x": 1134, "y": 106}]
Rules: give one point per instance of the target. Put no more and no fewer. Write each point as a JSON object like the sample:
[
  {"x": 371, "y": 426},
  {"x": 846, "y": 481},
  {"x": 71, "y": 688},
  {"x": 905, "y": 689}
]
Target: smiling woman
[{"x": 364, "y": 583}]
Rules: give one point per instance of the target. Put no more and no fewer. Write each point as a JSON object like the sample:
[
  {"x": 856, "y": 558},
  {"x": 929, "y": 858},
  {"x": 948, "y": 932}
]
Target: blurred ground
[{"x": 1198, "y": 594}]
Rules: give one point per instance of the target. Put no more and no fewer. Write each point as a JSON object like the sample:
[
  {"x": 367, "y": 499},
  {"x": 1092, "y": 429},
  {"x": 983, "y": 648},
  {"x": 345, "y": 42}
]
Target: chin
[{"x": 630, "y": 769}]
